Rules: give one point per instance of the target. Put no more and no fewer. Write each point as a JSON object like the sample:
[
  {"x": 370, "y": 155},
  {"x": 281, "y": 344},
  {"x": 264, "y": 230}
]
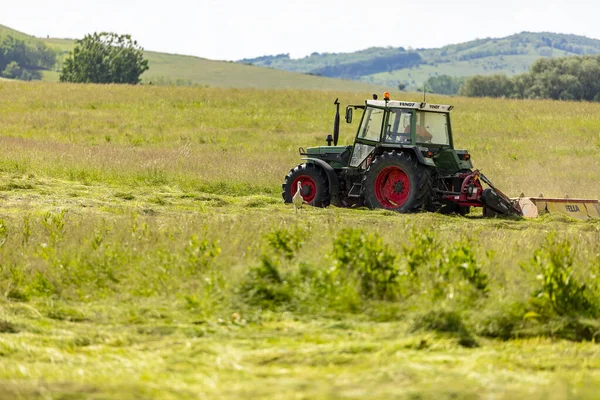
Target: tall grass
[{"x": 240, "y": 141}]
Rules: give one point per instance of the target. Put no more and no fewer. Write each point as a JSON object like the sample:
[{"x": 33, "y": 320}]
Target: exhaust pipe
[{"x": 336, "y": 123}]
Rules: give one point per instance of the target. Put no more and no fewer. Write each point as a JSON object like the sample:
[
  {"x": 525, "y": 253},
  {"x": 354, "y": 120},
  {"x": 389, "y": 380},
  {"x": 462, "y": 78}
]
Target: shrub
[
  {"x": 559, "y": 292},
  {"x": 286, "y": 242},
  {"x": 443, "y": 271},
  {"x": 368, "y": 259},
  {"x": 264, "y": 285}
]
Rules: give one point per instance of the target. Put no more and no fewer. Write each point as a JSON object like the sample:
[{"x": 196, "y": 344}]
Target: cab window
[
  {"x": 432, "y": 127},
  {"x": 397, "y": 129},
  {"x": 371, "y": 125}
]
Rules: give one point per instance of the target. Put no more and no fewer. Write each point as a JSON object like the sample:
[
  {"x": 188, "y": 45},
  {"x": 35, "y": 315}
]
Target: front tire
[
  {"x": 398, "y": 182},
  {"x": 314, "y": 185}
]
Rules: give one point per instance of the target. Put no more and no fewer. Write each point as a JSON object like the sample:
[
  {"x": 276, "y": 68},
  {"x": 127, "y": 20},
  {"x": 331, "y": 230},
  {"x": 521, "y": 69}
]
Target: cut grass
[{"x": 171, "y": 356}]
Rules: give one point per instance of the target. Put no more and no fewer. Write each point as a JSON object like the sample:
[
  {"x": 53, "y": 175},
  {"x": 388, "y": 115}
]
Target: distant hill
[
  {"x": 188, "y": 70},
  {"x": 389, "y": 66}
]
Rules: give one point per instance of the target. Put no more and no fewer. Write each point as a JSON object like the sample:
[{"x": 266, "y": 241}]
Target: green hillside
[
  {"x": 5, "y": 30},
  {"x": 188, "y": 70},
  {"x": 388, "y": 66}
]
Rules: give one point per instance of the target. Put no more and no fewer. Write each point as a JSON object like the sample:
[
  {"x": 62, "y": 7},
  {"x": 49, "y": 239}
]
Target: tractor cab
[
  {"x": 421, "y": 127},
  {"x": 404, "y": 123}
]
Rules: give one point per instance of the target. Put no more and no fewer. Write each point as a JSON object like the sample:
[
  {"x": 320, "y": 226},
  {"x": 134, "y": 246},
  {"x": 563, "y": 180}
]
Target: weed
[
  {"x": 200, "y": 254},
  {"x": 443, "y": 271},
  {"x": 423, "y": 252},
  {"x": 365, "y": 257},
  {"x": 54, "y": 225},
  {"x": 3, "y": 233},
  {"x": 508, "y": 321},
  {"x": 446, "y": 322},
  {"x": 265, "y": 286},
  {"x": 26, "y": 230},
  {"x": 560, "y": 293},
  {"x": 41, "y": 286},
  {"x": 286, "y": 242}
]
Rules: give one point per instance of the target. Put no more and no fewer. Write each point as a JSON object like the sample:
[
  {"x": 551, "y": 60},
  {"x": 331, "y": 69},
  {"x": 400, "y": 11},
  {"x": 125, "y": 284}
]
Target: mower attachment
[
  {"x": 576, "y": 208},
  {"x": 472, "y": 194}
]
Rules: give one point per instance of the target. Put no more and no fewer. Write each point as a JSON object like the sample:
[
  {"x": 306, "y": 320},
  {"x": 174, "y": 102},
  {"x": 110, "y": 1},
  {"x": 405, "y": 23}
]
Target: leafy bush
[
  {"x": 442, "y": 271},
  {"x": 462, "y": 258},
  {"x": 286, "y": 242},
  {"x": 264, "y": 285},
  {"x": 366, "y": 258},
  {"x": 560, "y": 293}
]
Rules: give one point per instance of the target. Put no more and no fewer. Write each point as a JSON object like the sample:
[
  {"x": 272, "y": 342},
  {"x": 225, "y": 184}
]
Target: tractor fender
[
  {"x": 334, "y": 182},
  {"x": 422, "y": 159},
  {"x": 413, "y": 150}
]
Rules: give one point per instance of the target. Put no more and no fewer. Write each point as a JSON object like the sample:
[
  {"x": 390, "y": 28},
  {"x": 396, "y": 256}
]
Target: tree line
[
  {"x": 370, "y": 66},
  {"x": 565, "y": 78},
  {"x": 97, "y": 58},
  {"x": 20, "y": 59}
]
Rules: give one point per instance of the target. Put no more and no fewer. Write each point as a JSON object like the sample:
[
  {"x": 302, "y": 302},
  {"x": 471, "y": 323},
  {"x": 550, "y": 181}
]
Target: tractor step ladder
[{"x": 355, "y": 190}]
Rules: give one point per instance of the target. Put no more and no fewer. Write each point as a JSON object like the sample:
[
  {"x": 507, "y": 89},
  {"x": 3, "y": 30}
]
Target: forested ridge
[{"x": 410, "y": 68}]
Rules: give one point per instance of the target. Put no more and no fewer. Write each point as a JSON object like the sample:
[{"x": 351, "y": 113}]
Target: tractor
[{"x": 403, "y": 159}]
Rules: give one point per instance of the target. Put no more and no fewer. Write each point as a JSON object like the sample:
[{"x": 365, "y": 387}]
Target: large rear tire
[
  {"x": 314, "y": 185},
  {"x": 398, "y": 182}
]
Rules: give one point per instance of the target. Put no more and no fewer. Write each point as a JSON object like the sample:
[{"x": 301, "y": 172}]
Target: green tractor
[{"x": 403, "y": 159}]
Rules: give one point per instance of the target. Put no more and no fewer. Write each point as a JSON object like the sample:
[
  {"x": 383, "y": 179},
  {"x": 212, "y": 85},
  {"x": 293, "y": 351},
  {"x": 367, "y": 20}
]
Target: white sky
[{"x": 235, "y": 29}]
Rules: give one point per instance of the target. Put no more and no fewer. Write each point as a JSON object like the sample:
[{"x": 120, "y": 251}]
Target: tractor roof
[{"x": 410, "y": 104}]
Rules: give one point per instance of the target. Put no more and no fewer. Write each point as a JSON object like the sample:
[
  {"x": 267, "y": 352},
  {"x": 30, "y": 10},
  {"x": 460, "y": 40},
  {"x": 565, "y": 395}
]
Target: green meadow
[{"x": 145, "y": 252}]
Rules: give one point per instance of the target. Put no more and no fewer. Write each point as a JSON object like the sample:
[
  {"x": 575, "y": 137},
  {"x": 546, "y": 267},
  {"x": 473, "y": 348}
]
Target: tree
[
  {"x": 105, "y": 58},
  {"x": 12, "y": 71},
  {"x": 491, "y": 86},
  {"x": 21, "y": 59},
  {"x": 444, "y": 84}
]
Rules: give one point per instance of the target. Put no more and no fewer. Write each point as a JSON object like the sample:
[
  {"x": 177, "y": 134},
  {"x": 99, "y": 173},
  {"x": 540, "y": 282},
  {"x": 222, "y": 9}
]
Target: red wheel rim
[
  {"x": 392, "y": 187},
  {"x": 309, "y": 187}
]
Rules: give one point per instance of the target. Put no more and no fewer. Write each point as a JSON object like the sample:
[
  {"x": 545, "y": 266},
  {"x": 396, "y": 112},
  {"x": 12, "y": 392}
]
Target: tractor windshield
[
  {"x": 432, "y": 127},
  {"x": 371, "y": 124}
]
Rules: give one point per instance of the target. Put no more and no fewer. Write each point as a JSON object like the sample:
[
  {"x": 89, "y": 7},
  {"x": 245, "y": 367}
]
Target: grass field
[{"x": 145, "y": 253}]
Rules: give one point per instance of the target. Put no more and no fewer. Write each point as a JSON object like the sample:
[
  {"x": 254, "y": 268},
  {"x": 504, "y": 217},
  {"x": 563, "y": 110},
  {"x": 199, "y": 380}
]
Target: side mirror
[{"x": 348, "y": 115}]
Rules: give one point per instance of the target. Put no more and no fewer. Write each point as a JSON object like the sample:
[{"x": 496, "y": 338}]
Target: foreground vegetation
[{"x": 145, "y": 253}]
